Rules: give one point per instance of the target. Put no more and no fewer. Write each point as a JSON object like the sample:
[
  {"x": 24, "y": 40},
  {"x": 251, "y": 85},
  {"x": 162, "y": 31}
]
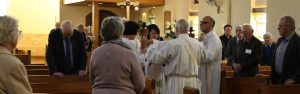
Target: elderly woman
[
  {"x": 13, "y": 76},
  {"x": 114, "y": 67},
  {"x": 268, "y": 49}
]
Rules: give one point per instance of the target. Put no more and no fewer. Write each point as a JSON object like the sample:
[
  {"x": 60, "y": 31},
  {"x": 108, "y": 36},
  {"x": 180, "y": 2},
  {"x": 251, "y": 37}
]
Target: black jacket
[
  {"x": 249, "y": 55},
  {"x": 224, "y": 41},
  {"x": 55, "y": 52},
  {"x": 291, "y": 62},
  {"x": 232, "y": 49}
]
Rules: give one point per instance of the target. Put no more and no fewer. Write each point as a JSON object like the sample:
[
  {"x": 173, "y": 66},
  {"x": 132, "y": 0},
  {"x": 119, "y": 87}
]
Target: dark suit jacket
[
  {"x": 266, "y": 62},
  {"x": 249, "y": 55},
  {"x": 231, "y": 49},
  {"x": 291, "y": 62},
  {"x": 55, "y": 53}
]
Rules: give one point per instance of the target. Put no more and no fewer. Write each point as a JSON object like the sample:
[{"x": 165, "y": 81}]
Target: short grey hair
[
  {"x": 66, "y": 22},
  {"x": 268, "y": 34},
  {"x": 182, "y": 25},
  {"x": 112, "y": 28},
  {"x": 248, "y": 26},
  {"x": 239, "y": 26},
  {"x": 289, "y": 21},
  {"x": 9, "y": 32}
]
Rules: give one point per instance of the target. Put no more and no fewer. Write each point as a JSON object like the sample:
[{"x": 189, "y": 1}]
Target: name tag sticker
[{"x": 248, "y": 51}]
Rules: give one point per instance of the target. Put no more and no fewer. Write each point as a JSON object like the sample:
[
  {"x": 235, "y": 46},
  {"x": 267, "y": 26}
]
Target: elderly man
[
  {"x": 210, "y": 68},
  {"x": 268, "y": 49},
  {"x": 13, "y": 76},
  {"x": 114, "y": 67},
  {"x": 286, "y": 66},
  {"x": 225, "y": 39},
  {"x": 181, "y": 57},
  {"x": 249, "y": 54},
  {"x": 233, "y": 43},
  {"x": 66, "y": 53}
]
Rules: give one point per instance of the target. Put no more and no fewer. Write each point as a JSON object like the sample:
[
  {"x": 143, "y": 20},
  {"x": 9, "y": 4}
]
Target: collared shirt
[
  {"x": 71, "y": 49},
  {"x": 280, "y": 53}
]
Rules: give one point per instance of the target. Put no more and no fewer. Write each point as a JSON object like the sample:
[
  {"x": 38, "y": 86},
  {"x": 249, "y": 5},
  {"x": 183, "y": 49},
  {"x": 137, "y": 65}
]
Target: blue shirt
[{"x": 280, "y": 53}]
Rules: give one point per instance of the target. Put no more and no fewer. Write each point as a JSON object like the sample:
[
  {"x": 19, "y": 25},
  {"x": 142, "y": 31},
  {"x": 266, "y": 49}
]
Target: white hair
[
  {"x": 8, "y": 30},
  {"x": 268, "y": 34},
  {"x": 112, "y": 28},
  {"x": 182, "y": 25},
  {"x": 248, "y": 26}
]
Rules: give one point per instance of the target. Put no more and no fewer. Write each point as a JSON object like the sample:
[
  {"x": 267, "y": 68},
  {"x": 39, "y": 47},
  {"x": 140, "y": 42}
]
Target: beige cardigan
[
  {"x": 13, "y": 75},
  {"x": 115, "y": 70}
]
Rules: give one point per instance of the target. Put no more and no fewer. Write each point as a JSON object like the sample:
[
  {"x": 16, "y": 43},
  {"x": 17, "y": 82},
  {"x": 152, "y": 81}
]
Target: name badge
[{"x": 248, "y": 51}]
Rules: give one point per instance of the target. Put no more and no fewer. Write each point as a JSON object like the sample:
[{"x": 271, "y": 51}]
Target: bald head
[
  {"x": 207, "y": 24},
  {"x": 57, "y": 25},
  {"x": 182, "y": 26},
  {"x": 67, "y": 28}
]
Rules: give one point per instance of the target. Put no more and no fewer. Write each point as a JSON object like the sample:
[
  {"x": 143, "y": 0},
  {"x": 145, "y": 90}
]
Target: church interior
[{"x": 38, "y": 17}]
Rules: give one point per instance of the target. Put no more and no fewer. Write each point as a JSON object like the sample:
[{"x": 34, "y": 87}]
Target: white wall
[
  {"x": 279, "y": 8},
  {"x": 3, "y": 7},
  {"x": 240, "y": 12},
  {"x": 221, "y": 19}
]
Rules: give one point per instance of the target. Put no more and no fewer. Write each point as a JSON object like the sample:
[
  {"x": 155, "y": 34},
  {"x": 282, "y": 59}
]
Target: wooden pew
[
  {"x": 265, "y": 70},
  {"x": 69, "y": 84},
  {"x": 268, "y": 88},
  {"x": 190, "y": 90},
  {"x": 241, "y": 85},
  {"x": 28, "y": 67},
  {"x": 38, "y": 72},
  {"x": 24, "y": 58}
]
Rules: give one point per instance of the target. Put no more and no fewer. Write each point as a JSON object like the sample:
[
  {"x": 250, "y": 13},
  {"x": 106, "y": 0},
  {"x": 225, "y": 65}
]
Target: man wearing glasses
[{"x": 210, "y": 68}]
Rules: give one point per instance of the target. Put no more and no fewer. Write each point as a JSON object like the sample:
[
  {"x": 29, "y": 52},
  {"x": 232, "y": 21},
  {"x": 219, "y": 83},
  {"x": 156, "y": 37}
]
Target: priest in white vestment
[
  {"x": 210, "y": 67},
  {"x": 182, "y": 57}
]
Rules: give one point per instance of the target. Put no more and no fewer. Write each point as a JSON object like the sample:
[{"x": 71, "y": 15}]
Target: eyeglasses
[{"x": 203, "y": 22}]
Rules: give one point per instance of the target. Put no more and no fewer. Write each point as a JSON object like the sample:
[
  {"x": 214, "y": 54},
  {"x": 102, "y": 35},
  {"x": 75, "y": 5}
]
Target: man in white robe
[
  {"x": 210, "y": 67},
  {"x": 182, "y": 57}
]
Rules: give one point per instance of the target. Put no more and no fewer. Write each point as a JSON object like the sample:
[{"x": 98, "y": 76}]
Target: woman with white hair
[
  {"x": 13, "y": 76},
  {"x": 268, "y": 49},
  {"x": 114, "y": 67}
]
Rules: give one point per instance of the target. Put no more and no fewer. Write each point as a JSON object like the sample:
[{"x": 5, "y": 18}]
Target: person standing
[
  {"x": 210, "y": 68},
  {"x": 66, "y": 53},
  {"x": 286, "y": 66}
]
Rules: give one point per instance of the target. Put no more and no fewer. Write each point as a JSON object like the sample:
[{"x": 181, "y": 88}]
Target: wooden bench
[
  {"x": 265, "y": 70},
  {"x": 25, "y": 58},
  {"x": 241, "y": 85},
  {"x": 69, "y": 84},
  {"x": 268, "y": 88},
  {"x": 28, "y": 67},
  {"x": 38, "y": 72},
  {"x": 190, "y": 90}
]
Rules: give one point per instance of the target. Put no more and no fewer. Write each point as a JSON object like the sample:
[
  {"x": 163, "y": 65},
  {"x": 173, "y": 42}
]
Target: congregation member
[
  {"x": 114, "y": 67},
  {"x": 154, "y": 32},
  {"x": 210, "y": 68},
  {"x": 268, "y": 50},
  {"x": 233, "y": 43},
  {"x": 82, "y": 29},
  {"x": 13, "y": 75},
  {"x": 57, "y": 26},
  {"x": 249, "y": 54},
  {"x": 225, "y": 39},
  {"x": 181, "y": 57},
  {"x": 130, "y": 38},
  {"x": 286, "y": 66},
  {"x": 66, "y": 53}
]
